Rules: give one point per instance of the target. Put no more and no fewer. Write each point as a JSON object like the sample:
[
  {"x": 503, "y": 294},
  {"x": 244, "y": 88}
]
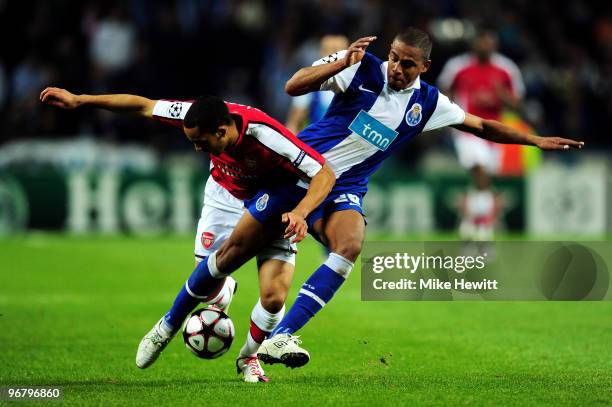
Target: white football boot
[
  {"x": 285, "y": 349},
  {"x": 251, "y": 370},
  {"x": 153, "y": 343},
  {"x": 224, "y": 298}
]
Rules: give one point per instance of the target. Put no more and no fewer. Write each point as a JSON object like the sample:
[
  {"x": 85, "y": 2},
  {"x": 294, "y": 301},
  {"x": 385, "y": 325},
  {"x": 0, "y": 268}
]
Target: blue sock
[
  {"x": 200, "y": 285},
  {"x": 317, "y": 291}
]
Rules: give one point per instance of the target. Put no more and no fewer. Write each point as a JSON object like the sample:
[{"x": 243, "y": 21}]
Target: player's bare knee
[
  {"x": 272, "y": 302},
  {"x": 349, "y": 249}
]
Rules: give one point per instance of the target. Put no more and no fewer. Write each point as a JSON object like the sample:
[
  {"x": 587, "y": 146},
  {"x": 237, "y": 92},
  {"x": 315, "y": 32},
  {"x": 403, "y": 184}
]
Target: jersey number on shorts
[{"x": 351, "y": 198}]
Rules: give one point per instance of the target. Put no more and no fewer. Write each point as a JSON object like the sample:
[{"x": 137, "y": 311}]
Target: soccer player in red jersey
[
  {"x": 248, "y": 150},
  {"x": 484, "y": 83}
]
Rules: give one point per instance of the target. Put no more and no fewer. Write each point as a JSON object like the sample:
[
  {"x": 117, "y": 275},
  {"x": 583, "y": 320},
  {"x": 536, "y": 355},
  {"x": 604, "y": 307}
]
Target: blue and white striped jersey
[{"x": 367, "y": 120}]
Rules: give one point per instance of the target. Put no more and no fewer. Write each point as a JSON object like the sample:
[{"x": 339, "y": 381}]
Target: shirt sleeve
[
  {"x": 518, "y": 86},
  {"x": 446, "y": 113},
  {"x": 303, "y": 157},
  {"x": 449, "y": 72},
  {"x": 341, "y": 81},
  {"x": 301, "y": 102},
  {"x": 516, "y": 79},
  {"x": 171, "y": 112}
]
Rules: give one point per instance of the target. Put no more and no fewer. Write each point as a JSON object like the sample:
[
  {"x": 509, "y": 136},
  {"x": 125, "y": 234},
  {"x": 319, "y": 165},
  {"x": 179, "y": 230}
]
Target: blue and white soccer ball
[{"x": 208, "y": 332}]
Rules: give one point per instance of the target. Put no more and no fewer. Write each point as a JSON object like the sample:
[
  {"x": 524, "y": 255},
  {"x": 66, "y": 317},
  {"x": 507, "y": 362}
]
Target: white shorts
[
  {"x": 221, "y": 212},
  {"x": 472, "y": 151}
]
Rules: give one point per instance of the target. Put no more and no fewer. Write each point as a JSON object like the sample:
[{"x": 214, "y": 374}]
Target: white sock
[
  {"x": 339, "y": 264},
  {"x": 262, "y": 323}
]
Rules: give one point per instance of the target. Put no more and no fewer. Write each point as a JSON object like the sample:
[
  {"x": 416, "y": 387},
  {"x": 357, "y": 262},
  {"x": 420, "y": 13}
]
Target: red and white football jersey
[
  {"x": 474, "y": 84},
  {"x": 265, "y": 154}
]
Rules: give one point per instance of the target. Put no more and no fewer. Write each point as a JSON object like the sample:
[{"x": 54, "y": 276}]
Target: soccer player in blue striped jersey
[{"x": 378, "y": 106}]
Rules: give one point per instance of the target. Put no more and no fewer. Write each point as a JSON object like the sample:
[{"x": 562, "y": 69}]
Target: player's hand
[
  {"x": 356, "y": 51},
  {"x": 296, "y": 226},
  {"x": 59, "y": 97},
  {"x": 558, "y": 143}
]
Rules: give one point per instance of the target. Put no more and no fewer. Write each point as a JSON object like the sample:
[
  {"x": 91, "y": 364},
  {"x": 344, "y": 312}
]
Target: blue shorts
[
  {"x": 336, "y": 202},
  {"x": 269, "y": 204}
]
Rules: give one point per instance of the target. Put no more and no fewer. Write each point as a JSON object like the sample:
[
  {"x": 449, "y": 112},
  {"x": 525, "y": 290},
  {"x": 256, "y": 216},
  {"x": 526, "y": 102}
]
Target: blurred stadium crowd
[{"x": 244, "y": 51}]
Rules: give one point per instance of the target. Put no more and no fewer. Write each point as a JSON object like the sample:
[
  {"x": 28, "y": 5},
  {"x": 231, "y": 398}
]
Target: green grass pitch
[{"x": 73, "y": 310}]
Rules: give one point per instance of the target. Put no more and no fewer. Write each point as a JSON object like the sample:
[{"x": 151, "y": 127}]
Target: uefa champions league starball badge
[{"x": 175, "y": 109}]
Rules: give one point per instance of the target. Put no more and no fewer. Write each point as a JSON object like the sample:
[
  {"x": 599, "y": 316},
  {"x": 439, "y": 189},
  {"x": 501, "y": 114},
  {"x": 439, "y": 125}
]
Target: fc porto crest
[
  {"x": 262, "y": 202},
  {"x": 414, "y": 115},
  {"x": 207, "y": 239}
]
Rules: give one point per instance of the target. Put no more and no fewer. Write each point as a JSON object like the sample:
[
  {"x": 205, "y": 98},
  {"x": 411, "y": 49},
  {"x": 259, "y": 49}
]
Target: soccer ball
[{"x": 208, "y": 332}]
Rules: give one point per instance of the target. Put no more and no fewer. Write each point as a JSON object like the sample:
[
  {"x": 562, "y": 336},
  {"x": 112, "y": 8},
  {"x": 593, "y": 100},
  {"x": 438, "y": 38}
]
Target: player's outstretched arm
[
  {"x": 123, "y": 103},
  {"x": 497, "y": 132},
  {"x": 320, "y": 186},
  {"x": 310, "y": 78}
]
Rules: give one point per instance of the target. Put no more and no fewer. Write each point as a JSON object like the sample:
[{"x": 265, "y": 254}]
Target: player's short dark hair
[
  {"x": 416, "y": 38},
  {"x": 207, "y": 113}
]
